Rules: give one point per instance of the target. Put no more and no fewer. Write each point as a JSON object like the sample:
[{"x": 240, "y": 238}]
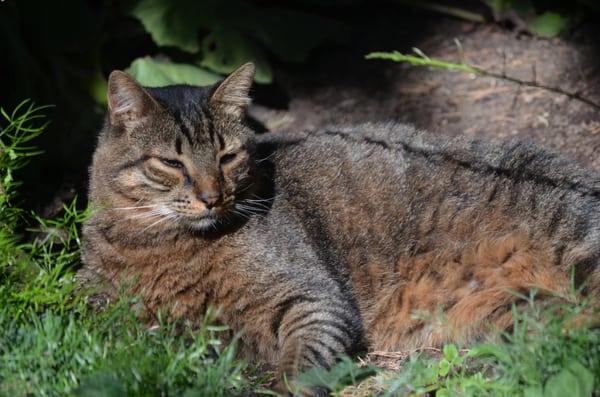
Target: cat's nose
[{"x": 209, "y": 198}]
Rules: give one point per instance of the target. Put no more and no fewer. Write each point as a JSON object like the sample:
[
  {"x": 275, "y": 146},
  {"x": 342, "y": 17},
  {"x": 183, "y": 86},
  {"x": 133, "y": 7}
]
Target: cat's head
[{"x": 177, "y": 156}]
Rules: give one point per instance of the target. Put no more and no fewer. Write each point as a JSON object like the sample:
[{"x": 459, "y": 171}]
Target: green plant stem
[{"x": 422, "y": 60}]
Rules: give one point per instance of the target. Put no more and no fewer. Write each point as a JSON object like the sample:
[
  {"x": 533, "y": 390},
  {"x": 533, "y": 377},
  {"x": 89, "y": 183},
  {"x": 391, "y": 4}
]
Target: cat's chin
[{"x": 202, "y": 224}]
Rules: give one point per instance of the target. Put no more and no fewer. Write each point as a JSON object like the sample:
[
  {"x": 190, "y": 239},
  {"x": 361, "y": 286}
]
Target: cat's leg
[
  {"x": 314, "y": 330},
  {"x": 98, "y": 290}
]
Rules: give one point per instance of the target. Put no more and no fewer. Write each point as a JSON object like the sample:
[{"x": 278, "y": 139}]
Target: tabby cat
[{"x": 316, "y": 244}]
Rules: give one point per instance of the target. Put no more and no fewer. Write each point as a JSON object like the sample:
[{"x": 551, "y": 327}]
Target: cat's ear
[
  {"x": 232, "y": 95},
  {"x": 128, "y": 102}
]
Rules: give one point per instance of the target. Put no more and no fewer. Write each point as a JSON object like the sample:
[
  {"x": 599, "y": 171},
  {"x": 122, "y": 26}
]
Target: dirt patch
[{"x": 339, "y": 86}]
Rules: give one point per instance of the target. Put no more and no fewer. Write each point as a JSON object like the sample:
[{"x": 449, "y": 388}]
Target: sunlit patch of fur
[{"x": 468, "y": 297}]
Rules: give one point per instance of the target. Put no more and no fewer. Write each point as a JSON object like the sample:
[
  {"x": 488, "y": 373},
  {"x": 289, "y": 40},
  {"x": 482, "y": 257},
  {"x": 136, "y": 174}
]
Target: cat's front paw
[{"x": 288, "y": 387}]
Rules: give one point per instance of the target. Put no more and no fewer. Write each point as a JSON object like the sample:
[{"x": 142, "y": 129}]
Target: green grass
[
  {"x": 53, "y": 344},
  {"x": 111, "y": 355},
  {"x": 544, "y": 356}
]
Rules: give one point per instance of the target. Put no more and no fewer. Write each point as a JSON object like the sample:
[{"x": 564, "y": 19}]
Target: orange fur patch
[{"x": 460, "y": 299}]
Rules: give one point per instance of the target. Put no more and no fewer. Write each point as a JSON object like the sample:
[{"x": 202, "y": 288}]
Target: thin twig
[{"x": 422, "y": 60}]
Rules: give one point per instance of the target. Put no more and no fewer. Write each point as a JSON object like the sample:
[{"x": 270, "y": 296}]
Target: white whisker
[
  {"x": 266, "y": 158},
  {"x": 147, "y": 214},
  {"x": 252, "y": 208},
  {"x": 244, "y": 189},
  {"x": 134, "y": 208},
  {"x": 257, "y": 205},
  {"x": 244, "y": 215},
  {"x": 257, "y": 198},
  {"x": 165, "y": 218}
]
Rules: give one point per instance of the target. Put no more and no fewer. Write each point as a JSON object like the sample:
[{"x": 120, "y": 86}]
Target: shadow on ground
[{"x": 339, "y": 86}]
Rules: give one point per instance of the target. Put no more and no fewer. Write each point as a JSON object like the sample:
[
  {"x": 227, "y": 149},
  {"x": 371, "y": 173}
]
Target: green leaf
[
  {"x": 175, "y": 23},
  {"x": 522, "y": 7},
  {"x": 7, "y": 178},
  {"x": 289, "y": 34},
  {"x": 584, "y": 377},
  {"x": 225, "y": 49},
  {"x": 450, "y": 352},
  {"x": 443, "y": 367},
  {"x": 484, "y": 350},
  {"x": 443, "y": 393},
  {"x": 157, "y": 73},
  {"x": 563, "y": 384},
  {"x": 497, "y": 5},
  {"x": 238, "y": 31},
  {"x": 549, "y": 24},
  {"x": 97, "y": 88}
]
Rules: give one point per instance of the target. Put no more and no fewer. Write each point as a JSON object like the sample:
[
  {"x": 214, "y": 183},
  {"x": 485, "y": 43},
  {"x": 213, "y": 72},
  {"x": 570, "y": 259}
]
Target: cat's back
[
  {"x": 396, "y": 163},
  {"x": 397, "y": 146},
  {"x": 382, "y": 193}
]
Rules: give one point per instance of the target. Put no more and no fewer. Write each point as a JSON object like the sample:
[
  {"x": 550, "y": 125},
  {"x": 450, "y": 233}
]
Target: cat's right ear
[
  {"x": 128, "y": 102},
  {"x": 231, "y": 95}
]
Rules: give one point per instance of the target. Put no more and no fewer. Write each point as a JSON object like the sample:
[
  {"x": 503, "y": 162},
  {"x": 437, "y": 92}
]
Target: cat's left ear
[
  {"x": 232, "y": 95},
  {"x": 129, "y": 104}
]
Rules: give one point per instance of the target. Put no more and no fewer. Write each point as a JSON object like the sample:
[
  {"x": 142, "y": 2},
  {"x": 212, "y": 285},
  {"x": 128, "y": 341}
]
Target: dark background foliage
[{"x": 60, "y": 53}]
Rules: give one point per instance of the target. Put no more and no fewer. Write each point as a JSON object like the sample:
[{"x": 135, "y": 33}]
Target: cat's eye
[
  {"x": 172, "y": 163},
  {"x": 227, "y": 158}
]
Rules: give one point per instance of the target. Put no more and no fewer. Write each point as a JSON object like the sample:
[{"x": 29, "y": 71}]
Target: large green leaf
[
  {"x": 157, "y": 73},
  {"x": 575, "y": 380},
  {"x": 289, "y": 34},
  {"x": 585, "y": 378},
  {"x": 562, "y": 384},
  {"x": 175, "y": 23},
  {"x": 225, "y": 49},
  {"x": 549, "y": 24}
]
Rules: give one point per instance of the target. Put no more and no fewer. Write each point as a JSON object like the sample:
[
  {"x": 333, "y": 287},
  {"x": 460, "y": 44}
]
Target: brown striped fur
[{"x": 316, "y": 244}]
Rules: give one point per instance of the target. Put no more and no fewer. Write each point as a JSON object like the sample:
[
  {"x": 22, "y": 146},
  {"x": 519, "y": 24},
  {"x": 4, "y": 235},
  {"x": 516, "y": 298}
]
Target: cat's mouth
[
  {"x": 214, "y": 218},
  {"x": 202, "y": 223},
  {"x": 210, "y": 219}
]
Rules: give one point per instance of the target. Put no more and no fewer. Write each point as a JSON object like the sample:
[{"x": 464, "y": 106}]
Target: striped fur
[{"x": 323, "y": 243}]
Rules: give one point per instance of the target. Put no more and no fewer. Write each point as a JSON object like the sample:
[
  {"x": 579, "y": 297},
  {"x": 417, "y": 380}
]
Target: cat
[{"x": 322, "y": 243}]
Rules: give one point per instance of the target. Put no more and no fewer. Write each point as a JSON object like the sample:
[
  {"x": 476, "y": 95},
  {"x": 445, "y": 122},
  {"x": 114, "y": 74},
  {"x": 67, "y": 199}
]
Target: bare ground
[{"x": 339, "y": 86}]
